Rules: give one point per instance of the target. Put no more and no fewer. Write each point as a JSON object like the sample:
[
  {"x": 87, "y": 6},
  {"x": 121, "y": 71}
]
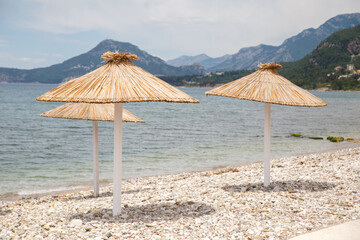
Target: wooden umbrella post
[
  {"x": 268, "y": 86},
  {"x": 96, "y": 158},
  {"x": 267, "y": 124},
  {"x": 117, "y": 158},
  {"x": 94, "y": 112}
]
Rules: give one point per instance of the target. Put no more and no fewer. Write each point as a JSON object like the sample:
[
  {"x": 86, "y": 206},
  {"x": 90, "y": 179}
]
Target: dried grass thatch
[
  {"x": 119, "y": 80},
  {"x": 90, "y": 111},
  {"x": 266, "y": 85}
]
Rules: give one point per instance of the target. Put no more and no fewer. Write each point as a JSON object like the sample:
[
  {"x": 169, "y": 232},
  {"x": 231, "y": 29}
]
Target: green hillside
[
  {"x": 207, "y": 80},
  {"x": 317, "y": 69}
]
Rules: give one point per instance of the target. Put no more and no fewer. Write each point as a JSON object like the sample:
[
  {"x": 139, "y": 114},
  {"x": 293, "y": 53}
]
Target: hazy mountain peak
[
  {"x": 84, "y": 63},
  {"x": 112, "y": 45},
  {"x": 291, "y": 49},
  {"x": 187, "y": 60}
]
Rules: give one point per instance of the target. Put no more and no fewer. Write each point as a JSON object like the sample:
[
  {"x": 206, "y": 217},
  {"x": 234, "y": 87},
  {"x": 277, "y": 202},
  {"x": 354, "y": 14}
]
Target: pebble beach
[{"x": 307, "y": 193}]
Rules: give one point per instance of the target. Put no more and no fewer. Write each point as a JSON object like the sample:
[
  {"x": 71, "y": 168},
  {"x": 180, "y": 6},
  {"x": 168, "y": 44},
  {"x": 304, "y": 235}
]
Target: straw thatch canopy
[
  {"x": 118, "y": 81},
  {"x": 90, "y": 111},
  {"x": 266, "y": 85}
]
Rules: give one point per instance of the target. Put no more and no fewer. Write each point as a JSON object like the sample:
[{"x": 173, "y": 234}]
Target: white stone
[{"x": 76, "y": 222}]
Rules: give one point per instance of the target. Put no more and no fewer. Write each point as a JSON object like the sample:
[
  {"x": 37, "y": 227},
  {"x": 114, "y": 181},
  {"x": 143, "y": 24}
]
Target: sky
[{"x": 40, "y": 33}]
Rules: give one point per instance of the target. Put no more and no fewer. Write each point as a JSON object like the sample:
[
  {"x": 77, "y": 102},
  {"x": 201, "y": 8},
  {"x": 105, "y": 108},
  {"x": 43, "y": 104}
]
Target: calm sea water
[{"x": 43, "y": 154}]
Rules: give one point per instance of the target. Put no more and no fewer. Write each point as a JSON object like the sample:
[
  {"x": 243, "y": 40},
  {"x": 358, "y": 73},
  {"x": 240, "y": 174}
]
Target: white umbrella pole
[
  {"x": 96, "y": 158},
  {"x": 267, "y": 124},
  {"x": 117, "y": 158}
]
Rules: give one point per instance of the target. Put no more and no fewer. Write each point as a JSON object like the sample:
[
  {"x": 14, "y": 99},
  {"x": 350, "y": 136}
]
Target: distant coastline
[{"x": 322, "y": 89}]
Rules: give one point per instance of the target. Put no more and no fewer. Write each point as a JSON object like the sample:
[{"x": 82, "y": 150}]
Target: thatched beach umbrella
[
  {"x": 266, "y": 85},
  {"x": 94, "y": 112},
  {"x": 118, "y": 81}
]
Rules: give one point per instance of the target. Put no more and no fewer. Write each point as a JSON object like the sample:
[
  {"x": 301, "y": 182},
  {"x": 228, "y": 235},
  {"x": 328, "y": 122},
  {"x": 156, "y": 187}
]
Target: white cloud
[
  {"x": 57, "y": 55},
  {"x": 24, "y": 62},
  {"x": 3, "y": 42},
  {"x": 29, "y": 60},
  {"x": 46, "y": 55}
]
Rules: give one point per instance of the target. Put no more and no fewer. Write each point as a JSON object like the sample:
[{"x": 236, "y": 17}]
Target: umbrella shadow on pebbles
[
  {"x": 108, "y": 194},
  {"x": 149, "y": 213},
  {"x": 281, "y": 186},
  {"x": 4, "y": 212}
]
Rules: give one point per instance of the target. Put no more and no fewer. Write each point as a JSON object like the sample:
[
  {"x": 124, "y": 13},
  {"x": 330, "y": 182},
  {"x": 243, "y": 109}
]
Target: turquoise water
[{"x": 43, "y": 154}]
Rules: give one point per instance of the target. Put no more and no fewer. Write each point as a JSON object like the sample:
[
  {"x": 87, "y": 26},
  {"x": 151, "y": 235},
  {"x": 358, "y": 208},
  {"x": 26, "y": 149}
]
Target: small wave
[
  {"x": 50, "y": 190},
  {"x": 9, "y": 195}
]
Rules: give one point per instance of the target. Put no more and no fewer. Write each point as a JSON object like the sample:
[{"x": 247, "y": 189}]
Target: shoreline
[
  {"x": 88, "y": 186},
  {"x": 207, "y": 87},
  {"x": 307, "y": 193}
]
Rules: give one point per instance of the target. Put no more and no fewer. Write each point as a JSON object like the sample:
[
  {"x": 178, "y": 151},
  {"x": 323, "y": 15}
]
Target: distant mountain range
[
  {"x": 291, "y": 49},
  {"x": 84, "y": 63},
  {"x": 203, "y": 59},
  {"x": 333, "y": 65}
]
